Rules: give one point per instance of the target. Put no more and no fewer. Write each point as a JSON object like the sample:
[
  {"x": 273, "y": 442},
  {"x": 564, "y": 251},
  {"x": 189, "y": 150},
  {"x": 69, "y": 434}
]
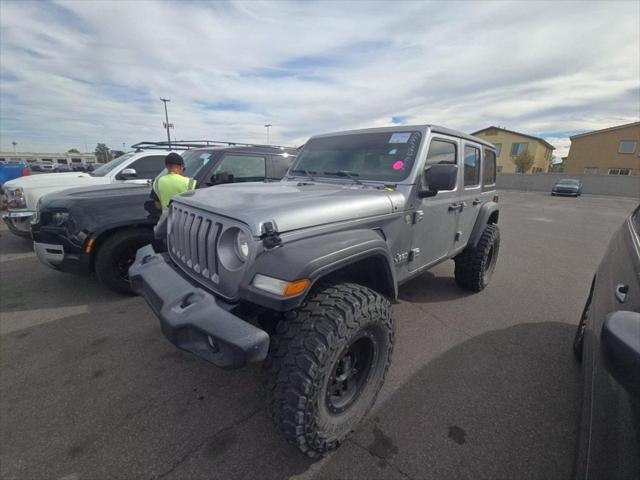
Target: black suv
[
  {"x": 99, "y": 229},
  {"x": 608, "y": 345}
]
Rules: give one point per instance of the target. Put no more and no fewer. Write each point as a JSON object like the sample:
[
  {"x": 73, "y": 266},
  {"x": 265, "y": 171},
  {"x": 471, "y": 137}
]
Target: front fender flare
[{"x": 316, "y": 257}]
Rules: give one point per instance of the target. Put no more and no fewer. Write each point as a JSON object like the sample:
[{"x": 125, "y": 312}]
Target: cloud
[{"x": 87, "y": 72}]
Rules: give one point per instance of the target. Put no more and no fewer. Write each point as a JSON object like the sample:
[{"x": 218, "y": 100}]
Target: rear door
[
  {"x": 470, "y": 194},
  {"x": 435, "y": 217}
]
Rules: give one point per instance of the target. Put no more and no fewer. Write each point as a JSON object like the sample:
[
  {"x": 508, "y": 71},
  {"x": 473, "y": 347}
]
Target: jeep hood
[{"x": 293, "y": 205}]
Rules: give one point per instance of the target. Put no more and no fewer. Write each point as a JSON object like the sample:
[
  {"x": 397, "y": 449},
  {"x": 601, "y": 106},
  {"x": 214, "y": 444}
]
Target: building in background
[
  {"x": 611, "y": 151},
  {"x": 54, "y": 159},
  {"x": 557, "y": 167},
  {"x": 510, "y": 144}
]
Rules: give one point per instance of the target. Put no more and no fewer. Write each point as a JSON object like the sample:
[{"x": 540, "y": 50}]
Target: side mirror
[
  {"x": 128, "y": 173},
  {"x": 441, "y": 176},
  {"x": 621, "y": 347}
]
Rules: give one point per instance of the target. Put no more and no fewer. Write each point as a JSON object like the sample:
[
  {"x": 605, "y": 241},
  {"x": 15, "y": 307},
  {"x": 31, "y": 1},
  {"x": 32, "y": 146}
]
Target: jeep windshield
[
  {"x": 378, "y": 156},
  {"x": 109, "y": 166}
]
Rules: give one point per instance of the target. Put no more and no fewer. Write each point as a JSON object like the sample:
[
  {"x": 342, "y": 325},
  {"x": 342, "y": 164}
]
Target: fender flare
[
  {"x": 489, "y": 213},
  {"x": 316, "y": 257}
]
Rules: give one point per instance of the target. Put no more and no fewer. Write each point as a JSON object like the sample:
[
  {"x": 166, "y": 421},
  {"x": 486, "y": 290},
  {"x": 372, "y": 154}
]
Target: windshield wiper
[
  {"x": 346, "y": 173},
  {"x": 306, "y": 172}
]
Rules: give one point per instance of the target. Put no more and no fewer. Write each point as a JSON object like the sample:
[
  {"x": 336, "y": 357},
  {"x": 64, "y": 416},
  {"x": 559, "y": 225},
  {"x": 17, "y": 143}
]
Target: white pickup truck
[{"x": 23, "y": 193}]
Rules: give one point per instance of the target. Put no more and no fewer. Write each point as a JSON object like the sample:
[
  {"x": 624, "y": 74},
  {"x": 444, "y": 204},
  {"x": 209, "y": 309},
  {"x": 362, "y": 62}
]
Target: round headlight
[{"x": 242, "y": 245}]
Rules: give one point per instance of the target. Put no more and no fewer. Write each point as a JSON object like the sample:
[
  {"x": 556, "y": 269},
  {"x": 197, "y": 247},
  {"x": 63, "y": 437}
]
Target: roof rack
[{"x": 187, "y": 144}]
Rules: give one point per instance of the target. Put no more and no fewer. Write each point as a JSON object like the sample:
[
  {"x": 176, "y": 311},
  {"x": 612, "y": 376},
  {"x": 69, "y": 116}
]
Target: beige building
[
  {"x": 611, "y": 151},
  {"x": 509, "y": 144}
]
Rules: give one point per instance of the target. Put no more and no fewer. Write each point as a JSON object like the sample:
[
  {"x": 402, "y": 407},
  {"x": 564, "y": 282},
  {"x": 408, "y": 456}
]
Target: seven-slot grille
[{"x": 192, "y": 241}]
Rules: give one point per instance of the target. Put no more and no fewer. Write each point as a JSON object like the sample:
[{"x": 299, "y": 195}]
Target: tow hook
[{"x": 270, "y": 237}]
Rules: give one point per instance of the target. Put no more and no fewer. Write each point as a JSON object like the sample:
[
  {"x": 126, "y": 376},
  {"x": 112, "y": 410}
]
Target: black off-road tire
[
  {"x": 474, "y": 266},
  {"x": 305, "y": 353},
  {"x": 116, "y": 252}
]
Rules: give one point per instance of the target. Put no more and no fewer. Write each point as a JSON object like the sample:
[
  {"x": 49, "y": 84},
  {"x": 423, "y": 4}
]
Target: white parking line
[{"x": 14, "y": 321}]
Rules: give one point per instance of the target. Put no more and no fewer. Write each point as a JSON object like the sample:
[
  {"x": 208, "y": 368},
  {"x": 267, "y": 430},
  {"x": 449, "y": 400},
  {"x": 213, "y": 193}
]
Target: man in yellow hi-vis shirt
[{"x": 172, "y": 183}]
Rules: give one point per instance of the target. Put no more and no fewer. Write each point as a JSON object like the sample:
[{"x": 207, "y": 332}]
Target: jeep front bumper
[{"x": 192, "y": 318}]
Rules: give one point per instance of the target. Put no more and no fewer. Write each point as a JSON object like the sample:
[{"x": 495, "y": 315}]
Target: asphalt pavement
[{"x": 481, "y": 385}]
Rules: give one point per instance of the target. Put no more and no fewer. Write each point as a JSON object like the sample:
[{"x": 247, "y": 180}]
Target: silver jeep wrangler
[{"x": 302, "y": 273}]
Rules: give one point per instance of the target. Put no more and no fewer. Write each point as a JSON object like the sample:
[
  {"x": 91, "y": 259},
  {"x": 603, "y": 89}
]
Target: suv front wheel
[
  {"x": 116, "y": 255},
  {"x": 326, "y": 364}
]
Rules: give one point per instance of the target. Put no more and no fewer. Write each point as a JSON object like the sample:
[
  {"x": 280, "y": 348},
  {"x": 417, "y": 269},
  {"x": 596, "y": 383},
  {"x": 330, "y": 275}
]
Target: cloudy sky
[{"x": 76, "y": 73}]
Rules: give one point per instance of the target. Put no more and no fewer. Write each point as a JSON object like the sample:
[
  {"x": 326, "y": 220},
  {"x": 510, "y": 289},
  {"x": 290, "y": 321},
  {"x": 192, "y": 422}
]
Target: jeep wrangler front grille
[{"x": 193, "y": 239}]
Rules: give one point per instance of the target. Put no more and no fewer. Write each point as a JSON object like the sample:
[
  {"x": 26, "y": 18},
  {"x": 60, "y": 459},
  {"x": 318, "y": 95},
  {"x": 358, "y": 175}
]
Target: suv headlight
[
  {"x": 242, "y": 245},
  {"x": 234, "y": 248},
  {"x": 59, "y": 218},
  {"x": 16, "y": 198}
]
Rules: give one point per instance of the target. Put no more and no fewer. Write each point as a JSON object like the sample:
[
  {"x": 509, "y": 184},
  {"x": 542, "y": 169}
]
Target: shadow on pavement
[
  {"x": 119, "y": 401},
  {"x": 429, "y": 288},
  {"x": 500, "y": 405}
]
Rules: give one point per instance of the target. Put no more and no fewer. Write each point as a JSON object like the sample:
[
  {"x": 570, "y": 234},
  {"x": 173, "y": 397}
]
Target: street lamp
[
  {"x": 14, "y": 143},
  {"x": 166, "y": 123},
  {"x": 268, "y": 125}
]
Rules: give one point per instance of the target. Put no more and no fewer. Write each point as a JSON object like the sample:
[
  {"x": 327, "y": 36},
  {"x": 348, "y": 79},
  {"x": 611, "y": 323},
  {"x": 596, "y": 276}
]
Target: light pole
[
  {"x": 268, "y": 125},
  {"x": 166, "y": 124},
  {"x": 14, "y": 143}
]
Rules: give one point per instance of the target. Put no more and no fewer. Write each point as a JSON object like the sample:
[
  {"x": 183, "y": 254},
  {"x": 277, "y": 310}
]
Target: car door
[
  {"x": 469, "y": 198},
  {"x": 241, "y": 167},
  {"x": 147, "y": 168},
  {"x": 435, "y": 217},
  {"x": 610, "y": 436}
]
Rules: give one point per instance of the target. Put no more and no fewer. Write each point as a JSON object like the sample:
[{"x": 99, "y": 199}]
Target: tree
[
  {"x": 117, "y": 153},
  {"x": 73, "y": 150},
  {"x": 102, "y": 153},
  {"x": 524, "y": 161}
]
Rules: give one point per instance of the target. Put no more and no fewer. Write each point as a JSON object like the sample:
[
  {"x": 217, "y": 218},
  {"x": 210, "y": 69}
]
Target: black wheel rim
[
  {"x": 351, "y": 372},
  {"x": 490, "y": 263},
  {"x": 123, "y": 262}
]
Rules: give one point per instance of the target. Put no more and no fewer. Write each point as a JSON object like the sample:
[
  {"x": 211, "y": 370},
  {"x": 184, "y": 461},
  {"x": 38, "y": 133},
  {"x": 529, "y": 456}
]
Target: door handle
[
  {"x": 455, "y": 206},
  {"x": 621, "y": 292},
  {"x": 476, "y": 201}
]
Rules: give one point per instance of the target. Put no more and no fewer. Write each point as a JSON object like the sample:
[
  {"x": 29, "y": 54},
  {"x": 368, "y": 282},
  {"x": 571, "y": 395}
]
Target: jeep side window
[
  {"x": 489, "y": 176},
  {"x": 471, "y": 166},
  {"x": 244, "y": 168},
  {"x": 148, "y": 167},
  {"x": 441, "y": 151}
]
